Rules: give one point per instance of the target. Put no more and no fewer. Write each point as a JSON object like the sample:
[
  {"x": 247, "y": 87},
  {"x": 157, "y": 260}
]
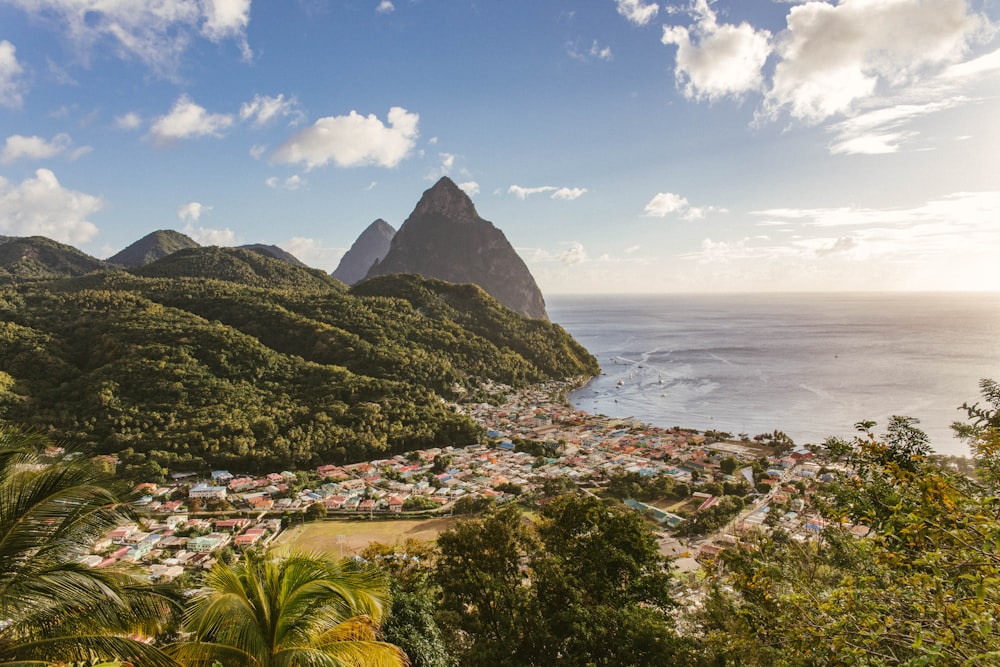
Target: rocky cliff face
[
  {"x": 445, "y": 238},
  {"x": 370, "y": 247}
]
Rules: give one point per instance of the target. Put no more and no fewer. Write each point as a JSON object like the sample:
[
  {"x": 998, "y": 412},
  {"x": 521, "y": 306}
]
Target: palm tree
[
  {"x": 296, "y": 611},
  {"x": 51, "y": 607}
]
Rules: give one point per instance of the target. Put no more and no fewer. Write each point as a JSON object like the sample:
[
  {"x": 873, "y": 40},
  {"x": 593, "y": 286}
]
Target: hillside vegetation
[{"x": 228, "y": 358}]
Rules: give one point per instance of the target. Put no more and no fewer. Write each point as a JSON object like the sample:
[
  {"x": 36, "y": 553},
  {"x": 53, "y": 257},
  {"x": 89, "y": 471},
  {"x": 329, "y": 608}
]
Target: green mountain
[
  {"x": 274, "y": 251},
  {"x": 240, "y": 265},
  {"x": 36, "y": 257},
  {"x": 152, "y": 247},
  {"x": 226, "y": 357}
]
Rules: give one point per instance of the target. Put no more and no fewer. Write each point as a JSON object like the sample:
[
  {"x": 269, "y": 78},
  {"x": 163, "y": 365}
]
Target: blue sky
[{"x": 621, "y": 145}]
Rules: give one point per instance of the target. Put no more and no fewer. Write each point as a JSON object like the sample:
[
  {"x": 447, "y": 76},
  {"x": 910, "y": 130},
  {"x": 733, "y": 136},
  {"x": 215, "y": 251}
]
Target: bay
[{"x": 810, "y": 365}]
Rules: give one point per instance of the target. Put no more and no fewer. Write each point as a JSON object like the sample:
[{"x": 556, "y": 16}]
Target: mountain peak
[
  {"x": 447, "y": 200},
  {"x": 151, "y": 247},
  {"x": 445, "y": 238},
  {"x": 366, "y": 250}
]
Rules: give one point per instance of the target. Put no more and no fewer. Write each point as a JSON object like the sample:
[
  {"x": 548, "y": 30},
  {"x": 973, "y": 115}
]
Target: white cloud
[
  {"x": 715, "y": 61},
  {"x": 573, "y": 254},
  {"x": 128, "y": 121},
  {"x": 257, "y": 151},
  {"x": 595, "y": 51},
  {"x": 833, "y": 56},
  {"x": 155, "y": 32},
  {"x": 294, "y": 182},
  {"x": 447, "y": 164},
  {"x": 470, "y": 188},
  {"x": 262, "y": 109},
  {"x": 666, "y": 203},
  {"x": 42, "y": 206},
  {"x": 523, "y": 193},
  {"x": 10, "y": 76},
  {"x": 190, "y": 214},
  {"x": 352, "y": 141},
  {"x": 18, "y": 147},
  {"x": 569, "y": 194},
  {"x": 637, "y": 11},
  {"x": 186, "y": 120},
  {"x": 313, "y": 252},
  {"x": 385, "y": 7},
  {"x": 227, "y": 19},
  {"x": 557, "y": 193}
]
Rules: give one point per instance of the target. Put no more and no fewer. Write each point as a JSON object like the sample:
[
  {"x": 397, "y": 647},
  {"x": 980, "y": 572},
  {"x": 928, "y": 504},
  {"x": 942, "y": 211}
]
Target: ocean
[{"x": 811, "y": 365}]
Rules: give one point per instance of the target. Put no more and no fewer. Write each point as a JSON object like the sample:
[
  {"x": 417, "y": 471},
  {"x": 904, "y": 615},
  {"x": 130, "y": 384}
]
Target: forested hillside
[{"x": 272, "y": 366}]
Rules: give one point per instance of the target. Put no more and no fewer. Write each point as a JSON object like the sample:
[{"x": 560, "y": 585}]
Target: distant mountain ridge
[
  {"x": 151, "y": 247},
  {"x": 243, "y": 266},
  {"x": 370, "y": 247},
  {"x": 38, "y": 257},
  {"x": 445, "y": 238}
]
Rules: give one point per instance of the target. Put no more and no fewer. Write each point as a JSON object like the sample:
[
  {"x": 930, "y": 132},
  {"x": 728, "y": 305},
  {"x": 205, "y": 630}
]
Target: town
[{"x": 534, "y": 437}]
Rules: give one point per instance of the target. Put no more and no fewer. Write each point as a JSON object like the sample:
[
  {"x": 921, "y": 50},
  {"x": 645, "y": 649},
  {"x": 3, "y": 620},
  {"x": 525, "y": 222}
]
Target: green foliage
[
  {"x": 53, "y": 608},
  {"x": 40, "y": 258},
  {"x": 920, "y": 589},
  {"x": 415, "y": 503},
  {"x": 584, "y": 585},
  {"x": 185, "y": 373},
  {"x": 711, "y": 519},
  {"x": 267, "y": 611}
]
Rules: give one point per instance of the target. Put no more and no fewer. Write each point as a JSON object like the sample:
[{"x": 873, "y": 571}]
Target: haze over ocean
[{"x": 810, "y": 365}]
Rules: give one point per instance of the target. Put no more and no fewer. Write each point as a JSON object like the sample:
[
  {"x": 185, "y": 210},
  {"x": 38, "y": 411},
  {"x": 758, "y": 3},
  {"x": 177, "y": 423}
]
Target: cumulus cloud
[
  {"x": 832, "y": 56},
  {"x": 470, "y": 188},
  {"x": 227, "y": 19},
  {"x": 187, "y": 120},
  {"x": 128, "y": 121},
  {"x": 385, "y": 7},
  {"x": 11, "y": 85},
  {"x": 313, "y": 253},
  {"x": 42, "y": 206},
  {"x": 667, "y": 203},
  {"x": 557, "y": 192},
  {"x": 18, "y": 147},
  {"x": 190, "y": 214},
  {"x": 155, "y": 33},
  {"x": 664, "y": 203},
  {"x": 637, "y": 11},
  {"x": 352, "y": 141},
  {"x": 717, "y": 60},
  {"x": 262, "y": 109}
]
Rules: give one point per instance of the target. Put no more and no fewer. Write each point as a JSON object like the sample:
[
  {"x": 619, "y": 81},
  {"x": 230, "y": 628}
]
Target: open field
[{"x": 349, "y": 537}]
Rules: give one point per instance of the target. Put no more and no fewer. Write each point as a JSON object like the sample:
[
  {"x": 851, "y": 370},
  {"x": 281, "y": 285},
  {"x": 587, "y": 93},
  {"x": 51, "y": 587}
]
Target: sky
[{"x": 623, "y": 146}]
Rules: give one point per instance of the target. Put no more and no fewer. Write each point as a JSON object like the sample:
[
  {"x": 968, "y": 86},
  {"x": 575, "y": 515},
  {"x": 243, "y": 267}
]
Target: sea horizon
[{"x": 811, "y": 364}]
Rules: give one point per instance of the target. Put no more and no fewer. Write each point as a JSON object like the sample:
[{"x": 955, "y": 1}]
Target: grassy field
[{"x": 349, "y": 537}]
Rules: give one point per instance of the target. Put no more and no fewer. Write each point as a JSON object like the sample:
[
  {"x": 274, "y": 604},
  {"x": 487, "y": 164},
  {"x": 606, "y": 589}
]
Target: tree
[
  {"x": 483, "y": 600},
  {"x": 53, "y": 608},
  {"x": 920, "y": 589},
  {"x": 410, "y": 623},
  {"x": 584, "y": 585},
  {"x": 301, "y": 609}
]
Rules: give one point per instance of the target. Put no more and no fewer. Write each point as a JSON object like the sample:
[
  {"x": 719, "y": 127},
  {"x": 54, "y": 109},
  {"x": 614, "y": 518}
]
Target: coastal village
[{"x": 196, "y": 519}]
